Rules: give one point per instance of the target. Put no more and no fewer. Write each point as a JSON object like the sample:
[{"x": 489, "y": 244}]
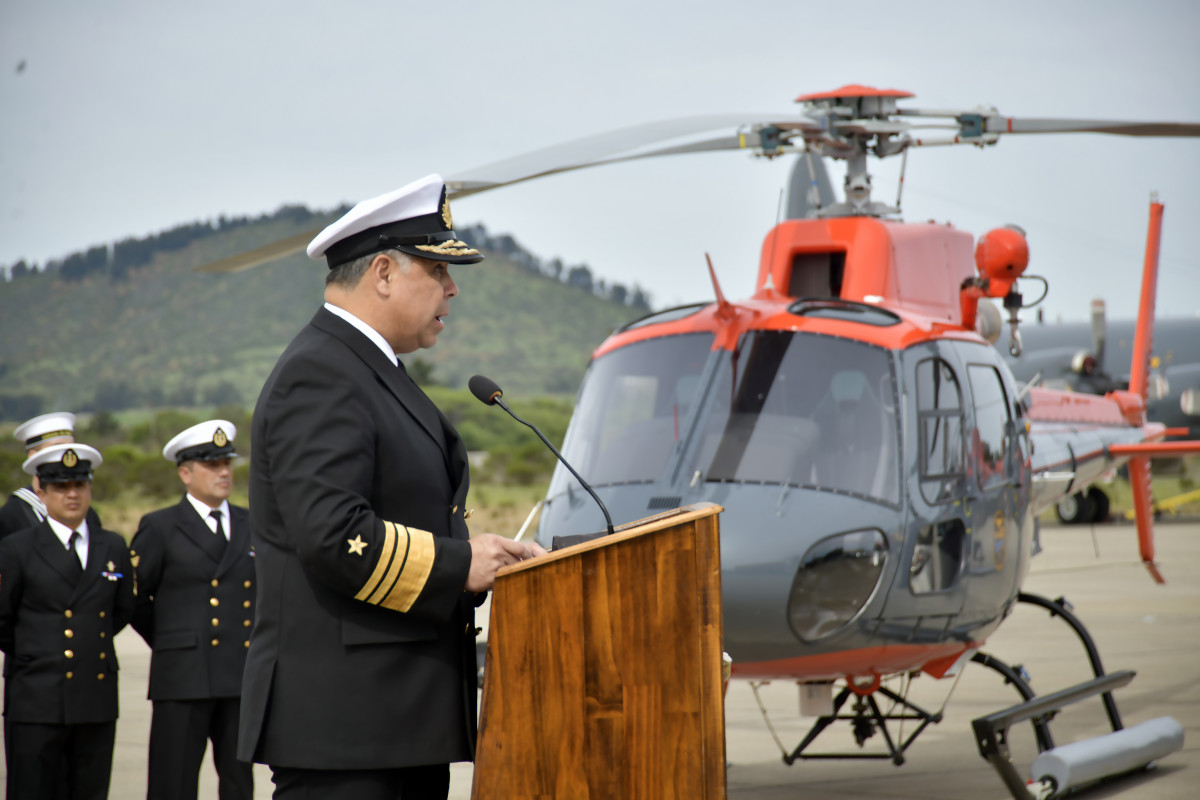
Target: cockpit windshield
[
  {"x": 785, "y": 408},
  {"x": 805, "y": 410}
]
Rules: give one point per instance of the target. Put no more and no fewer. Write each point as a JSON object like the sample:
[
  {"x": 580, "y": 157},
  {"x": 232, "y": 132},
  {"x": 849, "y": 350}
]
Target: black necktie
[
  {"x": 215, "y": 514},
  {"x": 75, "y": 565}
]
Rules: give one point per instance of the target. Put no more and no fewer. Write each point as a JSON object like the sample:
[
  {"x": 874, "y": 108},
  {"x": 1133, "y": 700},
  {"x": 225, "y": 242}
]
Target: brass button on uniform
[
  {"x": 102, "y": 634},
  {"x": 101, "y": 615},
  {"x": 68, "y": 613},
  {"x": 246, "y": 604},
  {"x": 69, "y": 653},
  {"x": 100, "y": 676},
  {"x": 214, "y": 602},
  {"x": 103, "y": 656},
  {"x": 246, "y": 624},
  {"x": 215, "y": 642},
  {"x": 246, "y": 644},
  {"x": 214, "y": 583},
  {"x": 70, "y": 675},
  {"x": 469, "y": 513},
  {"x": 70, "y": 634},
  {"x": 454, "y": 510},
  {"x": 247, "y": 584},
  {"x": 215, "y": 622}
]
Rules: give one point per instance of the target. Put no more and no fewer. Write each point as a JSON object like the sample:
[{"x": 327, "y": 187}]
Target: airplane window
[
  {"x": 806, "y": 411},
  {"x": 940, "y": 423},
  {"x": 991, "y": 421},
  {"x": 632, "y": 405}
]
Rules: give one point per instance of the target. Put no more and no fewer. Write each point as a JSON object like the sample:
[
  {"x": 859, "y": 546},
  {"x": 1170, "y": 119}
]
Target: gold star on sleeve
[
  {"x": 405, "y": 561},
  {"x": 357, "y": 545}
]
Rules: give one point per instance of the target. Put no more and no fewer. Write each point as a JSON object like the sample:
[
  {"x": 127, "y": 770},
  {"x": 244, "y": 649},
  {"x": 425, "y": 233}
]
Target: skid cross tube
[
  {"x": 991, "y": 732},
  {"x": 877, "y": 718}
]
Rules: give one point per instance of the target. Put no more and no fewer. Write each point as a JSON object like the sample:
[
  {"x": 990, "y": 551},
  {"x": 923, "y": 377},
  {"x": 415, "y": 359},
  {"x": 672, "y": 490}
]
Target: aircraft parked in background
[{"x": 1094, "y": 357}]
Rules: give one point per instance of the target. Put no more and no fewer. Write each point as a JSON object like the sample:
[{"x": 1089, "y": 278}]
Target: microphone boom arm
[{"x": 607, "y": 519}]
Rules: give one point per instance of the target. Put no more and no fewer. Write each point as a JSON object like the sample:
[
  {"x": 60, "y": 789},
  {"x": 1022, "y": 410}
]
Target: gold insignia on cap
[
  {"x": 220, "y": 439},
  {"x": 446, "y": 218},
  {"x": 453, "y": 247},
  {"x": 356, "y": 545},
  {"x": 69, "y": 459}
]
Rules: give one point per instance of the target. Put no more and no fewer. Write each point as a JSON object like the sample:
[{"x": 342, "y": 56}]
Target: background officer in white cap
[
  {"x": 361, "y": 679},
  {"x": 24, "y": 508},
  {"x": 66, "y": 589},
  {"x": 195, "y": 608}
]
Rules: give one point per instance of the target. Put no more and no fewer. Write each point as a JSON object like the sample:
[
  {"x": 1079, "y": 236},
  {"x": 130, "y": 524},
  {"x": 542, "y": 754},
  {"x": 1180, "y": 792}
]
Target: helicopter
[{"x": 880, "y": 469}]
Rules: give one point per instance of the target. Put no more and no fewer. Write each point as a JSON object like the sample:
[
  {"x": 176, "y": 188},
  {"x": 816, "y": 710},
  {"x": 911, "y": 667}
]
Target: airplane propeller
[{"x": 849, "y": 123}]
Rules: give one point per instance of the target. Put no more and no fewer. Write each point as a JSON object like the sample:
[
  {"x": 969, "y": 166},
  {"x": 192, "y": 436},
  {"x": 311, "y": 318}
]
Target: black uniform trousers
[
  {"x": 38, "y": 753},
  {"x": 179, "y": 734}
]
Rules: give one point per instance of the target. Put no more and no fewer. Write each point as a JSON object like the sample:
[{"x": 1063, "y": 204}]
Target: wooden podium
[{"x": 603, "y": 676}]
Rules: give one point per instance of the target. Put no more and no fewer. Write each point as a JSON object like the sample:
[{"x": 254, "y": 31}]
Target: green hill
[{"x": 134, "y": 325}]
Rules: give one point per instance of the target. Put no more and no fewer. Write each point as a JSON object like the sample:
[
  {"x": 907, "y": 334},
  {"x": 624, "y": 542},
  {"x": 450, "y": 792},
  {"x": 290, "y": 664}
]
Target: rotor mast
[{"x": 856, "y": 122}]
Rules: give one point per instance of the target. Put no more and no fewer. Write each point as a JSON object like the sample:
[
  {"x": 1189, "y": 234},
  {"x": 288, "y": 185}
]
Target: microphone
[{"x": 488, "y": 393}]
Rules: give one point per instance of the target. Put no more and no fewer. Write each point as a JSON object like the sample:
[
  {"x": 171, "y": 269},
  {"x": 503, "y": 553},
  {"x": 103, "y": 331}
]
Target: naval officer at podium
[{"x": 361, "y": 679}]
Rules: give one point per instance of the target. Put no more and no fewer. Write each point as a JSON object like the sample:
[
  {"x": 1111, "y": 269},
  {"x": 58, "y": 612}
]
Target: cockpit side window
[
  {"x": 989, "y": 440},
  {"x": 940, "y": 424}
]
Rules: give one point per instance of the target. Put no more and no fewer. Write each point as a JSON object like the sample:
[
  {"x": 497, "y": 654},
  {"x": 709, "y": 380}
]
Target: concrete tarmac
[{"x": 1136, "y": 624}]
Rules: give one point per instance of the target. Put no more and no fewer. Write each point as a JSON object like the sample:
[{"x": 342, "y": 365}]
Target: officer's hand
[{"x": 490, "y": 552}]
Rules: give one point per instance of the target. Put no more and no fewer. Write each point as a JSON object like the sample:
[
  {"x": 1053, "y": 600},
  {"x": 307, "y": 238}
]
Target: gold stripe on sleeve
[
  {"x": 381, "y": 566},
  {"x": 415, "y": 571},
  {"x": 393, "y": 570}
]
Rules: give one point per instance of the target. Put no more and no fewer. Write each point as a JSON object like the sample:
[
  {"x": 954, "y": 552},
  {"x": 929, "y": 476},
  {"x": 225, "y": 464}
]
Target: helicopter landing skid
[
  {"x": 866, "y": 719},
  {"x": 991, "y": 732}
]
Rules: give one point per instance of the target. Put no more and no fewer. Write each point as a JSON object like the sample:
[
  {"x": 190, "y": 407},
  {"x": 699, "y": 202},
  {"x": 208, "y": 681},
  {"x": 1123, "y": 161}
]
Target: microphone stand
[{"x": 607, "y": 519}]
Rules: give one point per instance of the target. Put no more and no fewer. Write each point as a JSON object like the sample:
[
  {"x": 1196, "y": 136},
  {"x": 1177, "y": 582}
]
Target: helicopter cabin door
[
  {"x": 927, "y": 592},
  {"x": 999, "y": 531}
]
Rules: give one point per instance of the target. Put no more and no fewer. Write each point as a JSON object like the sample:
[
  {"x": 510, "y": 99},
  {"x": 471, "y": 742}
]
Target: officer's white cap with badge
[
  {"x": 207, "y": 441},
  {"x": 61, "y": 463},
  {"x": 47, "y": 427},
  {"x": 414, "y": 219}
]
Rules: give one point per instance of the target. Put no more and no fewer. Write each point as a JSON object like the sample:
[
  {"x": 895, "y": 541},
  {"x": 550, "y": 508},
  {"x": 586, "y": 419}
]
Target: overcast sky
[{"x": 125, "y": 117}]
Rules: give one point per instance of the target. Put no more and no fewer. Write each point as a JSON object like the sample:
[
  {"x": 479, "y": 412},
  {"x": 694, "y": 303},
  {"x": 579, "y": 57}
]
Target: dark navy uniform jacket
[
  {"x": 195, "y": 602},
  {"x": 60, "y": 666},
  {"x": 362, "y": 655}
]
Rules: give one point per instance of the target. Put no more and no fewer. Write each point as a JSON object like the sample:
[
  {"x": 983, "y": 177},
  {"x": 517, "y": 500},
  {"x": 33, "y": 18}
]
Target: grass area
[
  {"x": 497, "y": 508},
  {"x": 502, "y": 509},
  {"x": 1177, "y": 485}
]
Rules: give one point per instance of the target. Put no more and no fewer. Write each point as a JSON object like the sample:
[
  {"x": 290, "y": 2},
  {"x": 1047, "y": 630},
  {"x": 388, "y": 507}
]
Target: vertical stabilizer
[{"x": 1139, "y": 375}]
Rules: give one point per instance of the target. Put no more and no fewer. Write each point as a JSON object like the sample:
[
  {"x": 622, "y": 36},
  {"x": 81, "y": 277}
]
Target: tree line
[{"x": 117, "y": 260}]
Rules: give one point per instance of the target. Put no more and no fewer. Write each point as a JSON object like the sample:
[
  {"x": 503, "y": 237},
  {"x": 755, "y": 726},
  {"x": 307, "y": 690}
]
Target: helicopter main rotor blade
[
  {"x": 263, "y": 255},
  {"x": 633, "y": 143},
  {"x": 997, "y": 124}
]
